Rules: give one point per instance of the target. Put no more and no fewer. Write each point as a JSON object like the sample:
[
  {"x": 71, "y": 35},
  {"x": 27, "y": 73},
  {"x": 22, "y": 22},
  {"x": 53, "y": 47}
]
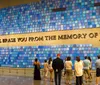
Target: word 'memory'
[
  {"x": 77, "y": 36},
  {"x": 72, "y": 36}
]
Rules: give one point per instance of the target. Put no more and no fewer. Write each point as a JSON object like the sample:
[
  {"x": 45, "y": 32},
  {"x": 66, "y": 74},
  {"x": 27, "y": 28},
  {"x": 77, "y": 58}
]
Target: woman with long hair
[
  {"x": 37, "y": 70},
  {"x": 50, "y": 69},
  {"x": 90, "y": 68},
  {"x": 45, "y": 69}
]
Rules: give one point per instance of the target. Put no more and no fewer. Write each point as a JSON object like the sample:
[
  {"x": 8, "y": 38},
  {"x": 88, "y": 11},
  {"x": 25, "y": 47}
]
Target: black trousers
[
  {"x": 57, "y": 76},
  {"x": 79, "y": 80},
  {"x": 98, "y": 72}
]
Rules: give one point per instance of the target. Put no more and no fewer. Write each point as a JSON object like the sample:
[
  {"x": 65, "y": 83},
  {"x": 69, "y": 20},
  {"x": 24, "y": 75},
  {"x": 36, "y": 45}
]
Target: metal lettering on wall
[{"x": 83, "y": 36}]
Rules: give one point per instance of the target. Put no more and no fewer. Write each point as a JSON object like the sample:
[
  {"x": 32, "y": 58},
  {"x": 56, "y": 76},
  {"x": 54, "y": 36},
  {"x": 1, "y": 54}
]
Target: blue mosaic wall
[
  {"x": 38, "y": 17},
  {"x": 24, "y": 56}
]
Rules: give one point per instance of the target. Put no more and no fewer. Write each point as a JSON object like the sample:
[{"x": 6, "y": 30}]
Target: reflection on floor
[{"x": 12, "y": 80}]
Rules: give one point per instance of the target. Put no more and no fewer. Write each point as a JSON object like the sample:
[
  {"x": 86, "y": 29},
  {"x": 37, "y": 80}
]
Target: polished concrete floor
[{"x": 14, "y": 80}]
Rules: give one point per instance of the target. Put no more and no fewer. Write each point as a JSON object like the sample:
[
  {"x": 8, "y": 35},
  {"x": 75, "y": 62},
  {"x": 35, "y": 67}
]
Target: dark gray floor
[{"x": 13, "y": 80}]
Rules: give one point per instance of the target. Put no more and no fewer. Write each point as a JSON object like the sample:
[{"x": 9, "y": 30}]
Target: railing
[
  {"x": 16, "y": 71},
  {"x": 26, "y": 72}
]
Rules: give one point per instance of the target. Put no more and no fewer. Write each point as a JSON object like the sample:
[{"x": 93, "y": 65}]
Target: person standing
[
  {"x": 97, "y": 64},
  {"x": 58, "y": 65},
  {"x": 79, "y": 71},
  {"x": 37, "y": 70},
  {"x": 90, "y": 68},
  {"x": 68, "y": 66},
  {"x": 45, "y": 69},
  {"x": 86, "y": 68},
  {"x": 50, "y": 69}
]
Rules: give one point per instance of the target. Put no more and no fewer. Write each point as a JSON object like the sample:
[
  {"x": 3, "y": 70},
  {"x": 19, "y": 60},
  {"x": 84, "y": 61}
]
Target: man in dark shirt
[
  {"x": 57, "y": 65},
  {"x": 97, "y": 63}
]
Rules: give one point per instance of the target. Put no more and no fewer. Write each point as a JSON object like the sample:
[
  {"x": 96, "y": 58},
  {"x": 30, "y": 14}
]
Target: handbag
[{"x": 51, "y": 70}]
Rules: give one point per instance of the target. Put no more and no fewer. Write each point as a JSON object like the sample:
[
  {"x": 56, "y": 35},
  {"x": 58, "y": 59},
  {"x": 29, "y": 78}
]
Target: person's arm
[
  {"x": 53, "y": 64},
  {"x": 89, "y": 64},
  {"x": 65, "y": 64},
  {"x": 38, "y": 63},
  {"x": 75, "y": 67},
  {"x": 62, "y": 64},
  {"x": 71, "y": 64},
  {"x": 82, "y": 64},
  {"x": 96, "y": 64},
  {"x": 47, "y": 66},
  {"x": 34, "y": 63}
]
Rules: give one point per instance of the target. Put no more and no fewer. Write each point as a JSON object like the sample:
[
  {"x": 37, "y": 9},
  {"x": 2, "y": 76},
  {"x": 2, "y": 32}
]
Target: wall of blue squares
[{"x": 38, "y": 17}]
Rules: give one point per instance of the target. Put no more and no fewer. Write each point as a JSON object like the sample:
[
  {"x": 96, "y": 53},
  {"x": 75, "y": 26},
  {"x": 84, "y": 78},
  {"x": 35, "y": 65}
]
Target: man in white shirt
[{"x": 79, "y": 71}]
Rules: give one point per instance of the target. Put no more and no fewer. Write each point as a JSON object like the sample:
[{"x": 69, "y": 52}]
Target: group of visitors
[{"x": 81, "y": 68}]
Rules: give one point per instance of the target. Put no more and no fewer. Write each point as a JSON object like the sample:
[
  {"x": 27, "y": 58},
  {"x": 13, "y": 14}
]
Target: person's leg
[
  {"x": 77, "y": 80},
  {"x": 81, "y": 80},
  {"x": 88, "y": 73},
  {"x": 67, "y": 76},
  {"x": 97, "y": 80},
  {"x": 55, "y": 73},
  {"x": 97, "y": 76},
  {"x": 70, "y": 76},
  {"x": 59, "y": 77},
  {"x": 51, "y": 76},
  {"x": 64, "y": 72},
  {"x": 39, "y": 75},
  {"x": 85, "y": 76},
  {"x": 45, "y": 74}
]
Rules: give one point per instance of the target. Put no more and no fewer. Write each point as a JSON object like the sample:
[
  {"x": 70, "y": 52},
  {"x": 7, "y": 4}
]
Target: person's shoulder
[
  {"x": 98, "y": 60},
  {"x": 88, "y": 61},
  {"x": 61, "y": 59},
  {"x": 81, "y": 61},
  {"x": 54, "y": 60},
  {"x": 75, "y": 62},
  {"x": 70, "y": 61}
]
